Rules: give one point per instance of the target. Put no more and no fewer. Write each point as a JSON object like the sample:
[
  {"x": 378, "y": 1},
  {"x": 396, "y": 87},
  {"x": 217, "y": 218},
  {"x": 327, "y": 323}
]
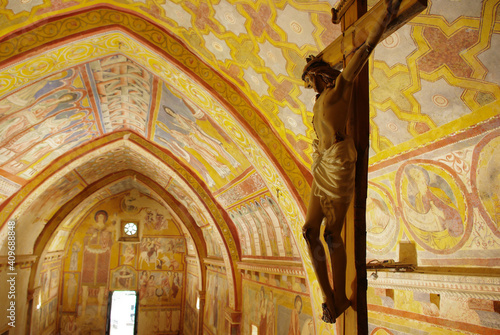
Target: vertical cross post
[{"x": 356, "y": 321}]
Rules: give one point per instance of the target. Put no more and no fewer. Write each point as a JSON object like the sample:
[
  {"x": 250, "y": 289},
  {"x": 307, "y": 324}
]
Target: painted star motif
[{"x": 446, "y": 51}]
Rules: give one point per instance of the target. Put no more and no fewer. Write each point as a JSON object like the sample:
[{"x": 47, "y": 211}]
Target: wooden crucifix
[{"x": 340, "y": 167}]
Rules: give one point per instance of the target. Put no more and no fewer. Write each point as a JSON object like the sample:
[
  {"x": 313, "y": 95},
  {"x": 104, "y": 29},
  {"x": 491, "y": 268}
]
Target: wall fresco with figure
[
  {"x": 214, "y": 321},
  {"x": 446, "y": 202},
  {"x": 276, "y": 305},
  {"x": 45, "y": 301},
  {"x": 44, "y": 120},
  {"x": 97, "y": 262},
  {"x": 191, "y": 312},
  {"x": 186, "y": 131}
]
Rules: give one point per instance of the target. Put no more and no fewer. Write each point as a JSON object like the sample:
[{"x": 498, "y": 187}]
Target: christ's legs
[
  {"x": 312, "y": 232},
  {"x": 335, "y": 217}
]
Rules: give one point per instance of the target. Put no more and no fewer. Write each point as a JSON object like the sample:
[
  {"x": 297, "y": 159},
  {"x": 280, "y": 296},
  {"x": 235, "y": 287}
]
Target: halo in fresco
[
  {"x": 486, "y": 174},
  {"x": 382, "y": 225},
  {"x": 433, "y": 205}
]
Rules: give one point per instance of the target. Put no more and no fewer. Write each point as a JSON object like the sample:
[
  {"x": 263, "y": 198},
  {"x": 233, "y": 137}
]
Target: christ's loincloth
[{"x": 334, "y": 171}]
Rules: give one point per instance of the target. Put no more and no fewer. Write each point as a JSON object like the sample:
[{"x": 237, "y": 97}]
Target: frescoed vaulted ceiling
[{"x": 200, "y": 104}]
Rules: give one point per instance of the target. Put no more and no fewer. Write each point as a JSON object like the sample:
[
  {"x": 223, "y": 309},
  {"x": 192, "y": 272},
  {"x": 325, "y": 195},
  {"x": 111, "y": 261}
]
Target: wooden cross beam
[
  {"x": 356, "y": 25},
  {"x": 356, "y": 34}
]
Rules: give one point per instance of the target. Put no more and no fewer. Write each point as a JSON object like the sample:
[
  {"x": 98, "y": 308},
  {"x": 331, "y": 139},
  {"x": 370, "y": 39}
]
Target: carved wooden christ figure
[{"x": 334, "y": 164}]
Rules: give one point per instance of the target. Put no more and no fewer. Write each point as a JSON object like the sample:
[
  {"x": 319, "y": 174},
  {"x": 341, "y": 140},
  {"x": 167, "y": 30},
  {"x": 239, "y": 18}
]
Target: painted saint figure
[
  {"x": 75, "y": 249},
  {"x": 428, "y": 208},
  {"x": 71, "y": 287},
  {"x": 294, "y": 328},
  {"x": 270, "y": 314},
  {"x": 262, "y": 312},
  {"x": 97, "y": 250},
  {"x": 334, "y": 163}
]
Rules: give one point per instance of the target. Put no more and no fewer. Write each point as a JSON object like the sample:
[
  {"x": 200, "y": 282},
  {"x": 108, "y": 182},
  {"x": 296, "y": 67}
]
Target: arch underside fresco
[
  {"x": 86, "y": 142},
  {"x": 200, "y": 107}
]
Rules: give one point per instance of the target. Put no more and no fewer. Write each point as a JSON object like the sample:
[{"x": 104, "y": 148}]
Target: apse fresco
[
  {"x": 157, "y": 253},
  {"x": 162, "y": 321},
  {"x": 71, "y": 283},
  {"x": 160, "y": 288},
  {"x": 123, "y": 278},
  {"x": 97, "y": 262},
  {"x": 275, "y": 307}
]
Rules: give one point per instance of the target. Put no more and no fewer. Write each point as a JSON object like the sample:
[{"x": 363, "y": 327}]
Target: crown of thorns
[{"x": 316, "y": 65}]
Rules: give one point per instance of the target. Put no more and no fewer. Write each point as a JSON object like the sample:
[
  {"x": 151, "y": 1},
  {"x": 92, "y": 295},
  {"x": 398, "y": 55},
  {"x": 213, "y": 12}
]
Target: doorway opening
[{"x": 122, "y": 314}]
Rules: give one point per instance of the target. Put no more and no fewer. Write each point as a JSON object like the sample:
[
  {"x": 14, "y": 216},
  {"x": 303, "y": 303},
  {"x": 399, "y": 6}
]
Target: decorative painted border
[
  {"x": 288, "y": 269},
  {"x": 468, "y": 286}
]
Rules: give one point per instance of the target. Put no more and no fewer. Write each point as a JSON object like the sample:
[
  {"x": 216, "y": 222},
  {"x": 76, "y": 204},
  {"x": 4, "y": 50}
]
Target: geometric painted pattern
[{"x": 231, "y": 108}]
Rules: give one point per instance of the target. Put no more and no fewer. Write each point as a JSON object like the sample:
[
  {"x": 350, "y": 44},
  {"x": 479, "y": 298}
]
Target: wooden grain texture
[
  {"x": 356, "y": 23},
  {"x": 355, "y": 34},
  {"x": 355, "y": 319}
]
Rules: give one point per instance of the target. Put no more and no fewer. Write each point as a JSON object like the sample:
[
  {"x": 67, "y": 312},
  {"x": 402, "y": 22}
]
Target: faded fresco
[
  {"x": 123, "y": 90},
  {"x": 159, "y": 321},
  {"x": 446, "y": 203},
  {"x": 487, "y": 179},
  {"x": 190, "y": 311},
  {"x": 187, "y": 132},
  {"x": 97, "y": 263},
  {"x": 42, "y": 121},
  {"x": 382, "y": 225},
  {"x": 193, "y": 206},
  {"x": 262, "y": 228},
  {"x": 216, "y": 301},
  {"x": 45, "y": 316},
  {"x": 282, "y": 309},
  {"x": 53, "y": 198},
  {"x": 433, "y": 206},
  {"x": 430, "y": 313},
  {"x": 212, "y": 241}
]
